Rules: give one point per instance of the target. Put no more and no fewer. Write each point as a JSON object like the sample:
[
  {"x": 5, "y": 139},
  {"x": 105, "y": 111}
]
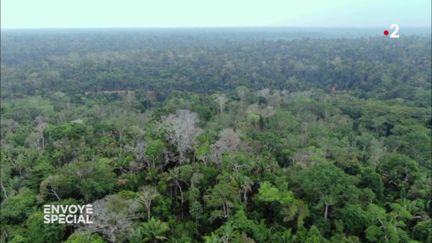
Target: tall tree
[
  {"x": 146, "y": 196},
  {"x": 182, "y": 130}
]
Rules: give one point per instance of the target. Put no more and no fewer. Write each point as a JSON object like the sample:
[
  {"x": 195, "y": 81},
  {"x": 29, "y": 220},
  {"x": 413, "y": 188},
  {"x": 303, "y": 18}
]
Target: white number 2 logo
[{"x": 394, "y": 34}]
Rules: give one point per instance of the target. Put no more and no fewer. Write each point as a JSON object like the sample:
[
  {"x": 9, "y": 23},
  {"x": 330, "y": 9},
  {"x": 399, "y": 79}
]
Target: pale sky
[{"x": 213, "y": 13}]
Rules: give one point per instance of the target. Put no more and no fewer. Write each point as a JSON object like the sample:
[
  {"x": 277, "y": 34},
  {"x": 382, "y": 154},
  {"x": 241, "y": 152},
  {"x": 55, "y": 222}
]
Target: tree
[
  {"x": 91, "y": 180},
  {"x": 223, "y": 194},
  {"x": 56, "y": 186},
  {"x": 325, "y": 183},
  {"x": 84, "y": 237},
  {"x": 153, "y": 230},
  {"x": 249, "y": 227},
  {"x": 221, "y": 100},
  {"x": 243, "y": 93},
  {"x": 268, "y": 193},
  {"x": 155, "y": 153},
  {"x": 196, "y": 210},
  {"x": 226, "y": 233},
  {"x": 385, "y": 227},
  {"x": 113, "y": 217},
  {"x": 16, "y": 208},
  {"x": 228, "y": 141},
  {"x": 398, "y": 173},
  {"x": 314, "y": 236},
  {"x": 423, "y": 231},
  {"x": 36, "y": 138},
  {"x": 39, "y": 232},
  {"x": 146, "y": 196},
  {"x": 182, "y": 130},
  {"x": 245, "y": 184},
  {"x": 175, "y": 179}
]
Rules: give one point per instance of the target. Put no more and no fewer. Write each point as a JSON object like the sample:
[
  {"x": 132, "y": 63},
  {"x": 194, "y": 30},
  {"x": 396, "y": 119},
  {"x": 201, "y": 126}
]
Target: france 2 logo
[{"x": 394, "y": 34}]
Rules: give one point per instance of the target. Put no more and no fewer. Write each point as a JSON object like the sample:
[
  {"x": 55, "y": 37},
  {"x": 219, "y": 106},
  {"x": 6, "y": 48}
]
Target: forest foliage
[{"x": 216, "y": 137}]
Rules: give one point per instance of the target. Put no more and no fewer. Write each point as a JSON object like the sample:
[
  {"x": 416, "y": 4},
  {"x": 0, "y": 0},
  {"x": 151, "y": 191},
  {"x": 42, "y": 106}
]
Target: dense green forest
[{"x": 216, "y": 136}]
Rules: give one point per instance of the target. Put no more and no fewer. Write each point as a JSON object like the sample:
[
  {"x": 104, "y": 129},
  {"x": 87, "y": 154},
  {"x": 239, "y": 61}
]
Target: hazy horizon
[{"x": 81, "y": 14}]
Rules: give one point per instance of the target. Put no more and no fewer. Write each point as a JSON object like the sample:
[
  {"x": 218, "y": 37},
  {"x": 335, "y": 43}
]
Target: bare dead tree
[
  {"x": 41, "y": 124},
  {"x": 182, "y": 130},
  {"x": 112, "y": 216},
  {"x": 228, "y": 141},
  {"x": 221, "y": 100}
]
